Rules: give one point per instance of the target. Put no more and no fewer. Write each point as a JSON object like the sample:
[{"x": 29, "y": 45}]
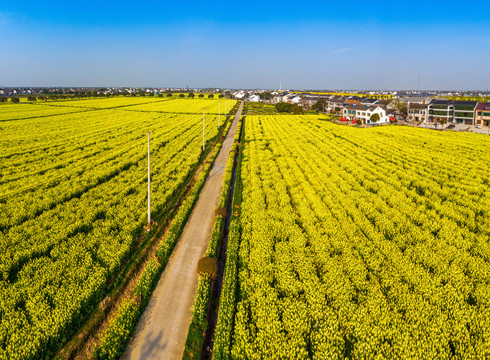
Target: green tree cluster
[
  {"x": 266, "y": 95},
  {"x": 375, "y": 117},
  {"x": 320, "y": 105},
  {"x": 283, "y": 107}
]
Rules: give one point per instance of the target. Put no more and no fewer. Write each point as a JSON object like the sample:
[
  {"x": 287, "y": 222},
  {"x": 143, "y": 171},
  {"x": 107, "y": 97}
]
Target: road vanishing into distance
[{"x": 162, "y": 330}]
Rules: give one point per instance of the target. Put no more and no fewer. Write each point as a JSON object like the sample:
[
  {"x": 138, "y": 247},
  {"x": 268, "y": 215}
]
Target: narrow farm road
[{"x": 162, "y": 330}]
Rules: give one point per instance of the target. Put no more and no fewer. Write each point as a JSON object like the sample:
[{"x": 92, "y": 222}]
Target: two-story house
[
  {"x": 452, "y": 111},
  {"x": 482, "y": 116},
  {"x": 416, "y": 112}
]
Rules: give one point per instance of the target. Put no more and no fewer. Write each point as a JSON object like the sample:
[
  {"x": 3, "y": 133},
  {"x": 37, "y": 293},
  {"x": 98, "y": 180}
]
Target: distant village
[
  {"x": 419, "y": 108},
  {"x": 435, "y": 108}
]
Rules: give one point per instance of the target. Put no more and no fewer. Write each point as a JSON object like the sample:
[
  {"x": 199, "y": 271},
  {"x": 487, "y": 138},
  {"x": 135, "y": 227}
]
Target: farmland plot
[
  {"x": 358, "y": 243},
  {"x": 73, "y": 201}
]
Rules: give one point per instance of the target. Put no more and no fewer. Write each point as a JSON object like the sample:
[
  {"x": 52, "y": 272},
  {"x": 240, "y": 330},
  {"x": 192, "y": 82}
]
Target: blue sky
[{"x": 304, "y": 44}]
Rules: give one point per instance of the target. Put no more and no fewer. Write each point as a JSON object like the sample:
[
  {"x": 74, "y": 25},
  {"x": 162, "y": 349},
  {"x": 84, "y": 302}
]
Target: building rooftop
[
  {"x": 417, "y": 106},
  {"x": 414, "y": 99},
  {"x": 460, "y": 102},
  {"x": 483, "y": 106},
  {"x": 357, "y": 107},
  {"x": 369, "y": 101},
  {"x": 440, "y": 102}
]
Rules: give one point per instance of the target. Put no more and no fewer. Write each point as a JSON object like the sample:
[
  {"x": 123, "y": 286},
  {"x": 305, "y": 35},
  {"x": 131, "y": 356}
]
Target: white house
[
  {"x": 353, "y": 112},
  {"x": 284, "y": 96},
  {"x": 254, "y": 98},
  {"x": 239, "y": 94}
]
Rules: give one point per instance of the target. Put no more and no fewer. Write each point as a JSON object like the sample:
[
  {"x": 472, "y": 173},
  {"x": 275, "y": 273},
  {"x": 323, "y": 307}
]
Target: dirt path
[{"x": 162, "y": 330}]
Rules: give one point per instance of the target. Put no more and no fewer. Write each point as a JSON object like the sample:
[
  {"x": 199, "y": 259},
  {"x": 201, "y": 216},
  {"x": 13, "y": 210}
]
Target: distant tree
[
  {"x": 266, "y": 95},
  {"x": 182, "y": 95},
  {"x": 442, "y": 121},
  {"x": 31, "y": 98},
  {"x": 133, "y": 94},
  {"x": 42, "y": 97},
  {"x": 151, "y": 94},
  {"x": 283, "y": 107},
  {"x": 375, "y": 117},
  {"x": 296, "y": 109},
  {"x": 201, "y": 95},
  {"x": 211, "y": 96},
  {"x": 358, "y": 122},
  {"x": 402, "y": 107},
  {"x": 3, "y": 99},
  {"x": 320, "y": 105},
  {"x": 221, "y": 96},
  {"x": 191, "y": 95},
  {"x": 15, "y": 100},
  {"x": 170, "y": 94},
  {"x": 160, "y": 95}
]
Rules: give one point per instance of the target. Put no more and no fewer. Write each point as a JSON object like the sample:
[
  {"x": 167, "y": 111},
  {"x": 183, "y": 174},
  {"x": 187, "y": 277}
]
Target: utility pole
[
  {"x": 149, "y": 186},
  {"x": 203, "y": 125}
]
